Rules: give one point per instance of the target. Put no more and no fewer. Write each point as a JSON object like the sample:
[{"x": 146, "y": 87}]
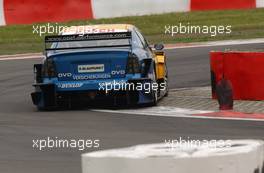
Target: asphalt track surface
[{"x": 20, "y": 123}]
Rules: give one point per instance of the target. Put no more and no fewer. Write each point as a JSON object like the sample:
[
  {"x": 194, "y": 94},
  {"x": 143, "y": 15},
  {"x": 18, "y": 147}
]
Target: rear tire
[
  {"x": 167, "y": 87},
  {"x": 166, "y": 80},
  {"x": 155, "y": 98},
  {"x": 154, "y": 92}
]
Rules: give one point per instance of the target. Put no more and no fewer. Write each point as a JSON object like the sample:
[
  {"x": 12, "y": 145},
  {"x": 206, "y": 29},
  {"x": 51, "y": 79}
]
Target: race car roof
[{"x": 103, "y": 28}]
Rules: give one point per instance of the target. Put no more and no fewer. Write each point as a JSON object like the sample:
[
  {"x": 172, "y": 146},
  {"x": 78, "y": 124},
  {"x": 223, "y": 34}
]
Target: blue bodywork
[{"x": 79, "y": 74}]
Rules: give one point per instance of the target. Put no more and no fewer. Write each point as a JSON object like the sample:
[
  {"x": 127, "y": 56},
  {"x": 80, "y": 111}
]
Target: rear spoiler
[{"x": 87, "y": 37}]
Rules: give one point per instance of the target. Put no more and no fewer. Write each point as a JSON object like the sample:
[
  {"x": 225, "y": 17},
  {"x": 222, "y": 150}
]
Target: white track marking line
[
  {"x": 216, "y": 43},
  {"x": 163, "y": 111},
  {"x": 20, "y": 58},
  {"x": 22, "y": 54}
]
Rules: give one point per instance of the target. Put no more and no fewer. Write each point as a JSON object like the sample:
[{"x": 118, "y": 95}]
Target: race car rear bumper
[{"x": 50, "y": 95}]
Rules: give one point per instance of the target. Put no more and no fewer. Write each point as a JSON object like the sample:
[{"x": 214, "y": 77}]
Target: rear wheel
[
  {"x": 166, "y": 87},
  {"x": 155, "y": 97},
  {"x": 154, "y": 92},
  {"x": 166, "y": 81}
]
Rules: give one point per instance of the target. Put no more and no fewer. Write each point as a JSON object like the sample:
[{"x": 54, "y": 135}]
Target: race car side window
[
  {"x": 143, "y": 40},
  {"x": 136, "y": 41}
]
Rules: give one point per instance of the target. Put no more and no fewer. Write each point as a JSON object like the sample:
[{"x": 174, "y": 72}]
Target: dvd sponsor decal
[
  {"x": 61, "y": 75},
  {"x": 118, "y": 72}
]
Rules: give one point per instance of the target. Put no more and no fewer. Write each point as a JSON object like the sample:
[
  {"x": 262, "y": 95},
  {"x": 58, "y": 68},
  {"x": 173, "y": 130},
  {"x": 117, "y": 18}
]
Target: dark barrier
[{"x": 244, "y": 71}]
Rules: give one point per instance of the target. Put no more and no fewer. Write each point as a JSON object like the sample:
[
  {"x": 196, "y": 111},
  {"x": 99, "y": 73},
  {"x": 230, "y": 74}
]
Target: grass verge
[{"x": 245, "y": 24}]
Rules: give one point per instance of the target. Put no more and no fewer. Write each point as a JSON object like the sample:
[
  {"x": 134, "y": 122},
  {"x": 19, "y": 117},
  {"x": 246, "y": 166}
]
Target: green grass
[{"x": 245, "y": 24}]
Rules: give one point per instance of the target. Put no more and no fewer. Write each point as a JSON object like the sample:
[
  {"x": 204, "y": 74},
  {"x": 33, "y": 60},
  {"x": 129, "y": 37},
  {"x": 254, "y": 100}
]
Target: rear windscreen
[
  {"x": 88, "y": 41},
  {"x": 92, "y": 43}
]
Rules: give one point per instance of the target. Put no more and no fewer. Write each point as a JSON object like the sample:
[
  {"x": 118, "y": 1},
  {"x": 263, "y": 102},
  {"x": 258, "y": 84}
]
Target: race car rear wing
[{"x": 87, "y": 37}]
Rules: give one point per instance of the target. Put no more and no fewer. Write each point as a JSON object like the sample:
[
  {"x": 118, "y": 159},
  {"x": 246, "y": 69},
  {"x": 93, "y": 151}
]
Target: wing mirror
[{"x": 159, "y": 46}]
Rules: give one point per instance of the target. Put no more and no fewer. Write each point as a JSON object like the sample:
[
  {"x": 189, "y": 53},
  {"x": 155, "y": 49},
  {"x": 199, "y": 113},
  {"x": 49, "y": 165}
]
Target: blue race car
[{"x": 99, "y": 62}]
